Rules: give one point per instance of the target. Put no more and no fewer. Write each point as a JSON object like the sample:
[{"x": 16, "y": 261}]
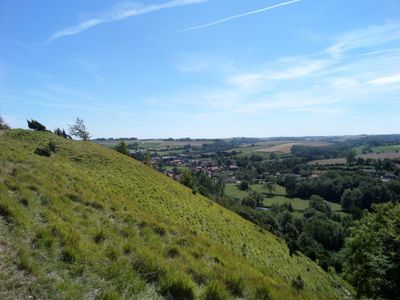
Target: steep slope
[{"x": 90, "y": 223}]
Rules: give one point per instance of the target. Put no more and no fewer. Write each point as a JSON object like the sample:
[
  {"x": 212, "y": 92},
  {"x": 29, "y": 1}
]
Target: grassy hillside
[{"x": 90, "y": 223}]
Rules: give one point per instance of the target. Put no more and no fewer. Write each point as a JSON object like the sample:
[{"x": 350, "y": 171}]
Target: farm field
[
  {"x": 342, "y": 160},
  {"x": 383, "y": 155},
  {"x": 389, "y": 148},
  {"x": 279, "y": 147},
  {"x": 278, "y": 196},
  {"x": 286, "y": 147}
]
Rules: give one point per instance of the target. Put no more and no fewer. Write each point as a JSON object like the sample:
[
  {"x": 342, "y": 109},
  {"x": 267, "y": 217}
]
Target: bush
[
  {"x": 35, "y": 125},
  {"x": 25, "y": 263},
  {"x": 243, "y": 186},
  {"x": 235, "y": 284},
  {"x": 69, "y": 255},
  {"x": 149, "y": 267},
  {"x": 178, "y": 287},
  {"x": 172, "y": 252},
  {"x": 62, "y": 133},
  {"x": 262, "y": 293},
  {"x": 43, "y": 152},
  {"x": 99, "y": 237},
  {"x": 3, "y": 124},
  {"x": 52, "y": 146},
  {"x": 215, "y": 291},
  {"x": 298, "y": 283}
]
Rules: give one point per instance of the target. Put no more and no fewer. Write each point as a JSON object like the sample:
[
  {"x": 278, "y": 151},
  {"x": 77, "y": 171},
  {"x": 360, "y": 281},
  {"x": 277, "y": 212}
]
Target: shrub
[
  {"x": 172, "y": 252},
  {"x": 3, "y": 124},
  {"x": 149, "y": 267},
  {"x": 43, "y": 152},
  {"x": 235, "y": 284},
  {"x": 35, "y": 125},
  {"x": 25, "y": 262},
  {"x": 178, "y": 287},
  {"x": 69, "y": 255},
  {"x": 298, "y": 283},
  {"x": 52, "y": 146},
  {"x": 215, "y": 291},
  {"x": 62, "y": 133},
  {"x": 262, "y": 293},
  {"x": 99, "y": 237}
]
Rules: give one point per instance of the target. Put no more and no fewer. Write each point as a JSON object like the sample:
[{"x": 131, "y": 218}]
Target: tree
[
  {"x": 351, "y": 198},
  {"x": 351, "y": 156},
  {"x": 79, "y": 130},
  {"x": 3, "y": 124},
  {"x": 270, "y": 186},
  {"x": 187, "y": 178},
  {"x": 62, "y": 133},
  {"x": 253, "y": 200},
  {"x": 35, "y": 125},
  {"x": 244, "y": 186},
  {"x": 122, "y": 147},
  {"x": 372, "y": 254},
  {"x": 318, "y": 203}
]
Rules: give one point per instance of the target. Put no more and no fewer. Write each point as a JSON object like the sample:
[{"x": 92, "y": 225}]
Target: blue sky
[{"x": 202, "y": 68}]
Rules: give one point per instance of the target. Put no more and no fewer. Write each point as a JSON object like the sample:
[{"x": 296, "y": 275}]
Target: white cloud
[
  {"x": 385, "y": 80},
  {"x": 119, "y": 12},
  {"x": 322, "y": 82}
]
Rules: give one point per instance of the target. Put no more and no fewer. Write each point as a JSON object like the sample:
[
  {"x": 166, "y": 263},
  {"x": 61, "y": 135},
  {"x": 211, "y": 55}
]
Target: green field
[
  {"x": 278, "y": 196},
  {"x": 90, "y": 223},
  {"x": 384, "y": 149}
]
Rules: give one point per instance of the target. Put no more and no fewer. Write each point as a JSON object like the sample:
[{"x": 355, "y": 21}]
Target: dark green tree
[
  {"x": 35, "y": 125},
  {"x": 351, "y": 156},
  {"x": 122, "y": 147},
  {"x": 62, "y": 133},
  {"x": 3, "y": 124},
  {"x": 244, "y": 186},
  {"x": 372, "y": 254},
  {"x": 187, "y": 178}
]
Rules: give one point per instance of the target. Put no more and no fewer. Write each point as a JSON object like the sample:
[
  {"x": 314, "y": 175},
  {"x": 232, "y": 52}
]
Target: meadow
[
  {"x": 90, "y": 223},
  {"x": 277, "y": 197}
]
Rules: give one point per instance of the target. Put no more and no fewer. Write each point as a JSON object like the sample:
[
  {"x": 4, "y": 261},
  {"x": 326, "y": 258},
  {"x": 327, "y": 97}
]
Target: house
[
  {"x": 388, "y": 176},
  {"x": 316, "y": 173}
]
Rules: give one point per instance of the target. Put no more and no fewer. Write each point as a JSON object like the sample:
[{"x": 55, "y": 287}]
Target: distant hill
[{"x": 89, "y": 223}]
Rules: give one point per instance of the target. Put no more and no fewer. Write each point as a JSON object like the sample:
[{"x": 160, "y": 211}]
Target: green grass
[
  {"x": 278, "y": 196},
  {"x": 90, "y": 223},
  {"x": 384, "y": 149}
]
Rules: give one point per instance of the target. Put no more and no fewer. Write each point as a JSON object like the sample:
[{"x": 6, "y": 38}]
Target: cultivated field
[
  {"x": 286, "y": 147},
  {"x": 280, "y": 147},
  {"x": 342, "y": 160}
]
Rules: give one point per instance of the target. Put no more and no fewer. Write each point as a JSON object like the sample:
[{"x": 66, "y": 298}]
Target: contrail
[{"x": 258, "y": 11}]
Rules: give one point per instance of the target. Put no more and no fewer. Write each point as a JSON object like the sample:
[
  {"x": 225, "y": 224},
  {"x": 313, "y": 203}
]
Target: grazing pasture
[{"x": 277, "y": 197}]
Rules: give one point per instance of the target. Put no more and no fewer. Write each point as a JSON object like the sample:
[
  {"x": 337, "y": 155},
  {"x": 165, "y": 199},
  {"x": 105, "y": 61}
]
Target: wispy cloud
[
  {"x": 119, "y": 12},
  {"x": 230, "y": 18},
  {"x": 362, "y": 70},
  {"x": 385, "y": 80},
  {"x": 366, "y": 38}
]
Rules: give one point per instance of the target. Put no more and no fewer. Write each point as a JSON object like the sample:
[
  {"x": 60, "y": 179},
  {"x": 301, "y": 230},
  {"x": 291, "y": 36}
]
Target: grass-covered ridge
[{"x": 88, "y": 222}]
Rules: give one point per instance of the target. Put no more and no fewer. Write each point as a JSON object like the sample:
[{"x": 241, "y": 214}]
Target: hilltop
[{"x": 88, "y": 222}]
